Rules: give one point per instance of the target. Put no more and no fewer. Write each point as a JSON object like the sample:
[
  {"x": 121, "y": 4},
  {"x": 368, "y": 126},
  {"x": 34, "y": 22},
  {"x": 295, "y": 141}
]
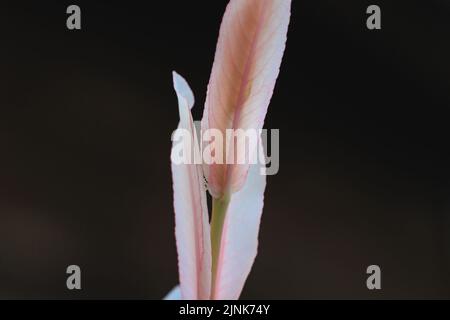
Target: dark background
[{"x": 85, "y": 124}]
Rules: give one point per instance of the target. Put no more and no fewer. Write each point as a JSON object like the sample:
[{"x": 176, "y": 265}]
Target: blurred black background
[{"x": 85, "y": 124}]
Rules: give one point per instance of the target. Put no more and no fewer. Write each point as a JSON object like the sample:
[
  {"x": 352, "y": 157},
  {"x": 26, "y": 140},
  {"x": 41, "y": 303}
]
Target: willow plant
[{"x": 215, "y": 256}]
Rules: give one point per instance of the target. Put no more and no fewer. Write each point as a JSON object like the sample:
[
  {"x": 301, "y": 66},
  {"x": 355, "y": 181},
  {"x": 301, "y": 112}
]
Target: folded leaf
[
  {"x": 239, "y": 243},
  {"x": 192, "y": 229},
  {"x": 246, "y": 65}
]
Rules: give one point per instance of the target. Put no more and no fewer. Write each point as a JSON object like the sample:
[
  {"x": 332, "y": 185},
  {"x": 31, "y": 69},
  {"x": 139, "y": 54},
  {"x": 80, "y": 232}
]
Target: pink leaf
[
  {"x": 239, "y": 242},
  {"x": 248, "y": 56},
  {"x": 192, "y": 229}
]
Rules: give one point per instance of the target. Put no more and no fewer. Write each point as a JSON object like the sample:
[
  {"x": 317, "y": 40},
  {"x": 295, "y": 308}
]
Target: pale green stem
[{"x": 219, "y": 212}]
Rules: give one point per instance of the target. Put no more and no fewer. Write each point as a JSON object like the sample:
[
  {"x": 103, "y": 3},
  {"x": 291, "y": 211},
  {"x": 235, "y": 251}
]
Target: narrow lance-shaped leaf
[
  {"x": 246, "y": 65},
  {"x": 239, "y": 244},
  {"x": 192, "y": 229}
]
